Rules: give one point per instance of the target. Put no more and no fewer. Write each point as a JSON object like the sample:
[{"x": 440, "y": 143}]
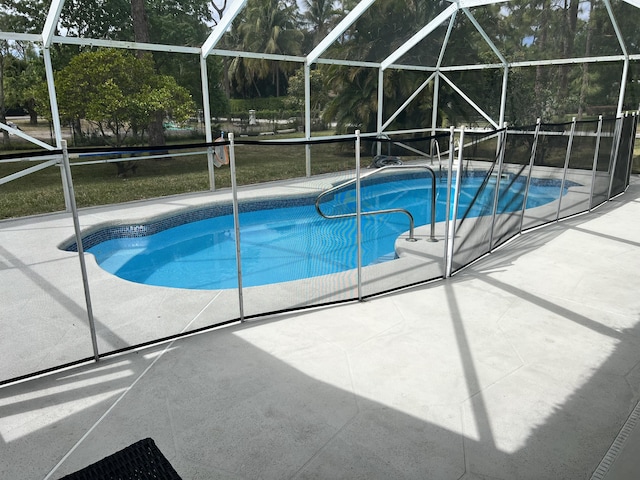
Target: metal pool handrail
[{"x": 432, "y": 237}]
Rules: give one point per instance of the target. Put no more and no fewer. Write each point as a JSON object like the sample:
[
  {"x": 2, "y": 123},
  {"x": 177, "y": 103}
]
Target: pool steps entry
[{"x": 411, "y": 238}]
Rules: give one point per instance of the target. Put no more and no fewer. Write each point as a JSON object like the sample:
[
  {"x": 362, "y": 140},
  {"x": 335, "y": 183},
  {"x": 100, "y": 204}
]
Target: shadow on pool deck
[{"x": 525, "y": 365}]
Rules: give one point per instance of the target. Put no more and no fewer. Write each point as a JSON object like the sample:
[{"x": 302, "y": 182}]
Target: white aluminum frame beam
[
  {"x": 477, "y": 3},
  {"x": 26, "y": 137},
  {"x": 97, "y": 42},
  {"x": 625, "y": 68},
  {"x": 347, "y": 63},
  {"x": 222, "y": 27},
  {"x": 24, "y": 37},
  {"x": 408, "y": 101},
  {"x": 258, "y": 55},
  {"x": 333, "y": 35},
  {"x": 53, "y": 16},
  {"x": 419, "y": 36},
  {"x": 469, "y": 101},
  {"x": 445, "y": 42},
  {"x": 486, "y": 37}
]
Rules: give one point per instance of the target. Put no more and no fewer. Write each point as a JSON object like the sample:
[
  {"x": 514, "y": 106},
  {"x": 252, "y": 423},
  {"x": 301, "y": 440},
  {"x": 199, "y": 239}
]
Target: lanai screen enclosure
[
  {"x": 512, "y": 94},
  {"x": 471, "y": 57}
]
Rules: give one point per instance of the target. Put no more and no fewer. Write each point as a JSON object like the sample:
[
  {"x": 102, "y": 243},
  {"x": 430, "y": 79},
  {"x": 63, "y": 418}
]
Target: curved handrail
[{"x": 432, "y": 236}]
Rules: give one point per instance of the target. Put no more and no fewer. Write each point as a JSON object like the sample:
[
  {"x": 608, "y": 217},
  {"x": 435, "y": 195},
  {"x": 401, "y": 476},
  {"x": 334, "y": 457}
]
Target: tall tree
[
  {"x": 267, "y": 26},
  {"x": 118, "y": 93},
  {"x": 319, "y": 16},
  {"x": 141, "y": 34},
  {"x": 378, "y": 32}
]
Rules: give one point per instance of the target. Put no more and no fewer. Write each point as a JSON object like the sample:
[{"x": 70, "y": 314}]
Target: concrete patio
[{"x": 526, "y": 365}]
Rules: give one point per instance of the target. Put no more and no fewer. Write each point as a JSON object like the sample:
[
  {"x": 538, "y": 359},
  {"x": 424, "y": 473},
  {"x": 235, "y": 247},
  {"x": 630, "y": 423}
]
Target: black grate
[{"x": 142, "y": 460}]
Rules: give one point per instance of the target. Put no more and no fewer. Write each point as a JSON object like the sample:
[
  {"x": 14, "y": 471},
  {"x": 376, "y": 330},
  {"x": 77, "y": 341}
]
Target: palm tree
[
  {"x": 319, "y": 16},
  {"x": 267, "y": 26}
]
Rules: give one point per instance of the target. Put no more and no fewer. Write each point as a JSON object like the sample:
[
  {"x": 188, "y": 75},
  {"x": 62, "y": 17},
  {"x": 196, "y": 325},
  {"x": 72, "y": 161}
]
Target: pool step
[{"x": 385, "y": 258}]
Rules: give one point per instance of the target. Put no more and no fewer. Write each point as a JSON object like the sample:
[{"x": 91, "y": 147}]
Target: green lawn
[{"x": 97, "y": 184}]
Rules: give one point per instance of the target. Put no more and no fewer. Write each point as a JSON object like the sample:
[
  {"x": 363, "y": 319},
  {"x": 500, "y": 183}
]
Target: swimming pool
[{"x": 286, "y": 239}]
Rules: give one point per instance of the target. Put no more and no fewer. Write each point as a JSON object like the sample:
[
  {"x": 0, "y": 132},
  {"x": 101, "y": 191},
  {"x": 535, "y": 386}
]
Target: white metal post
[
  {"x": 503, "y": 98},
  {"x": 532, "y": 159},
  {"x": 596, "y": 153},
  {"x": 358, "y": 216},
  {"x": 447, "y": 219},
  {"x": 434, "y": 107},
  {"x": 566, "y": 165},
  {"x": 206, "y": 111},
  {"x": 66, "y": 167},
  {"x": 454, "y": 213},
  {"x": 236, "y": 221},
  {"x": 55, "y": 119},
  {"x": 617, "y": 138},
  {"x": 307, "y": 116},
  {"x": 380, "y": 108},
  {"x": 502, "y": 146}
]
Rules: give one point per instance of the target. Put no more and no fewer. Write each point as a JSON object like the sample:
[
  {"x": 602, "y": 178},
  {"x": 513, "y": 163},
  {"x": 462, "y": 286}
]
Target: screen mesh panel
[
  {"x": 476, "y": 198},
  {"x": 578, "y": 179},
  {"x": 606, "y": 150},
  {"x": 547, "y": 171}
]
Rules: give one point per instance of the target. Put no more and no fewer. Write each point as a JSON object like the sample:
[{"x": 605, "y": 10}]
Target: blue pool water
[{"x": 291, "y": 242}]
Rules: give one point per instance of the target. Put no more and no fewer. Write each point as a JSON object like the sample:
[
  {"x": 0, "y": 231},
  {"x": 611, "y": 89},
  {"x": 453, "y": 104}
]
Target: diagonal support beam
[
  {"x": 635, "y": 3},
  {"x": 484, "y": 35},
  {"x": 346, "y": 22},
  {"x": 469, "y": 101},
  {"x": 477, "y": 3},
  {"x": 409, "y": 100},
  {"x": 52, "y": 20},
  {"x": 220, "y": 29},
  {"x": 419, "y": 36}
]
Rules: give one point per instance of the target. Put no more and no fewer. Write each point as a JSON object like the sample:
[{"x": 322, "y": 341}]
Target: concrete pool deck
[{"x": 525, "y": 365}]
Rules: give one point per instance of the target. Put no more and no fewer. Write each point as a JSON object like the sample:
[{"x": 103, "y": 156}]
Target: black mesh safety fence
[
  {"x": 514, "y": 176},
  {"x": 624, "y": 155},
  {"x": 634, "y": 136},
  {"x": 546, "y": 173},
  {"x": 476, "y": 194},
  {"x": 279, "y": 230},
  {"x": 578, "y": 179},
  {"x": 605, "y": 154}
]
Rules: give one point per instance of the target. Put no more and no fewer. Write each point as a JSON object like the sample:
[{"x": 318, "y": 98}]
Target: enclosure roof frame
[{"x": 50, "y": 35}]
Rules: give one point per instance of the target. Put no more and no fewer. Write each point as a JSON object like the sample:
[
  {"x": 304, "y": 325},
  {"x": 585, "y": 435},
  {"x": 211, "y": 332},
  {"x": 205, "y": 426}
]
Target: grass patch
[{"x": 97, "y": 184}]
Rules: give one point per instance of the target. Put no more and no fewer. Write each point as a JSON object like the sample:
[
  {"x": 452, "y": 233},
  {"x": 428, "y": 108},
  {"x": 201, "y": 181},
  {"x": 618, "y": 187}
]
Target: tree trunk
[
  {"x": 141, "y": 34},
  {"x": 33, "y": 115},
  {"x": 140, "y": 23}
]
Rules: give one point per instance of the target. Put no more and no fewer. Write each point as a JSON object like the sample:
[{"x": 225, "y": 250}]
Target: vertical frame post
[
  {"x": 596, "y": 153},
  {"x": 617, "y": 138},
  {"x": 454, "y": 213},
  {"x": 447, "y": 219},
  {"x": 532, "y": 159},
  {"x": 307, "y": 117},
  {"x": 206, "y": 111},
  {"x": 55, "y": 119},
  {"x": 434, "y": 105},
  {"x": 496, "y": 193},
  {"x": 236, "y": 221},
  {"x": 358, "y": 216},
  {"x": 66, "y": 167},
  {"x": 632, "y": 141},
  {"x": 566, "y": 166}
]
